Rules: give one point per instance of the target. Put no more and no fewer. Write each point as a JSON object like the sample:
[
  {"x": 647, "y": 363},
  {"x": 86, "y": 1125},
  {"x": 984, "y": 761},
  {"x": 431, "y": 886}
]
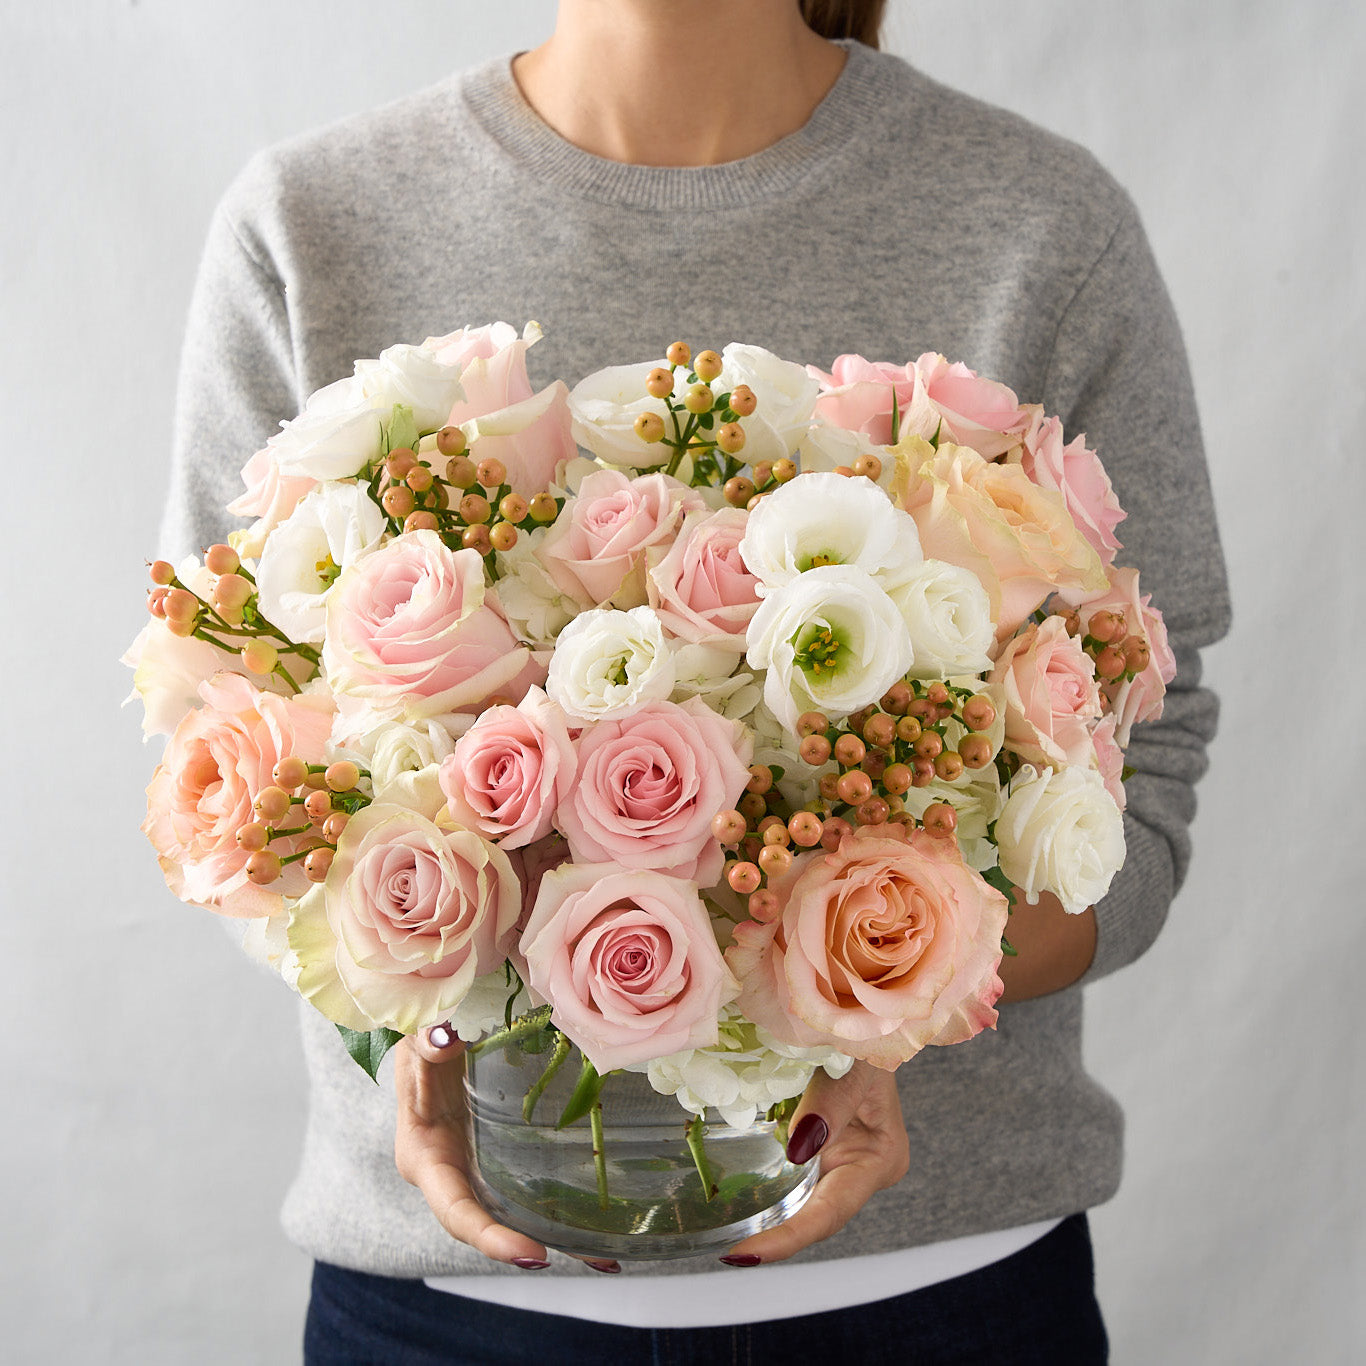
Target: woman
[{"x": 655, "y": 171}]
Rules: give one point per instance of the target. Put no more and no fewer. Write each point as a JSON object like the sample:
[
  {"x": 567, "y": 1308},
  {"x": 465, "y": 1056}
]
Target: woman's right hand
[{"x": 430, "y": 1147}]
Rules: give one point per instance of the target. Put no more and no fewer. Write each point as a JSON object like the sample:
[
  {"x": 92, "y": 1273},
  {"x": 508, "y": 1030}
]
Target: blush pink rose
[
  {"x": 857, "y": 395},
  {"x": 410, "y": 635},
  {"x": 649, "y": 785},
  {"x": 411, "y": 913},
  {"x": 217, "y": 761},
  {"x": 1140, "y": 698},
  {"x": 1110, "y": 759},
  {"x": 992, "y": 519},
  {"x": 976, "y": 412},
  {"x": 627, "y": 960},
  {"x": 510, "y": 770},
  {"x": 701, "y": 589},
  {"x": 1074, "y": 471},
  {"x": 271, "y": 497},
  {"x": 1052, "y": 702},
  {"x": 528, "y": 431},
  {"x": 879, "y": 948},
  {"x": 596, "y": 550}
]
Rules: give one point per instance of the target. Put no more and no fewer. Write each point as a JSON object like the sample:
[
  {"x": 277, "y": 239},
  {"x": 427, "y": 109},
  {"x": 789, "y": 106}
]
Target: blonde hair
[{"x": 859, "y": 19}]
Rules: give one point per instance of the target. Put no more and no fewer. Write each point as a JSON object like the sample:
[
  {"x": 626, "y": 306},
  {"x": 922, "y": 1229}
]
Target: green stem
[
  {"x": 562, "y": 1051},
  {"x": 599, "y": 1152},
  {"x": 531, "y": 1023},
  {"x": 697, "y": 1131}
]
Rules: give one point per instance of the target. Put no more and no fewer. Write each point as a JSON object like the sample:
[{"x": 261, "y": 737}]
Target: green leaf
[
  {"x": 707, "y": 421},
  {"x": 585, "y": 1096},
  {"x": 401, "y": 429},
  {"x": 996, "y": 878},
  {"x": 896, "y": 418},
  {"x": 777, "y": 770},
  {"x": 1008, "y": 948},
  {"x": 1127, "y": 772},
  {"x": 368, "y": 1049}
]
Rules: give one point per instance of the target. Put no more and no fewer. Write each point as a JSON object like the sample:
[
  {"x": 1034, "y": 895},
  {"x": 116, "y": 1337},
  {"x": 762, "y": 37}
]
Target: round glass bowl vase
[{"x": 640, "y": 1196}]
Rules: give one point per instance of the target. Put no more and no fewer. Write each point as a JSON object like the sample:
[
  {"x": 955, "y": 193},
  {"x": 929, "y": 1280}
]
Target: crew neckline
[{"x": 496, "y": 101}]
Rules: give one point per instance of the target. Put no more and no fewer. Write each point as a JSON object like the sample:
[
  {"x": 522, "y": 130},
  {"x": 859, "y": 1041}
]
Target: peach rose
[
  {"x": 879, "y": 948},
  {"x": 1018, "y": 539},
  {"x": 649, "y": 785},
  {"x": 700, "y": 589},
  {"x": 628, "y": 961},
  {"x": 220, "y": 756},
  {"x": 1075, "y": 471},
  {"x": 411, "y": 913},
  {"x": 510, "y": 770},
  {"x": 409, "y": 634},
  {"x": 596, "y": 550},
  {"x": 1051, "y": 699}
]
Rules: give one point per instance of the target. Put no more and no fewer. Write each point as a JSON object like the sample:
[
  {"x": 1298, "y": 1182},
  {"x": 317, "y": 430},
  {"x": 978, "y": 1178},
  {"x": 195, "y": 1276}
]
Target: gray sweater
[{"x": 903, "y": 218}]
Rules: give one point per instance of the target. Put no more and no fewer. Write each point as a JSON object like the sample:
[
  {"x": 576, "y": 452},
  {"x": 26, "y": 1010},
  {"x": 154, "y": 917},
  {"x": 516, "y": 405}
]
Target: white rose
[
  {"x": 392, "y": 750},
  {"x": 335, "y": 437},
  {"x": 603, "y": 409},
  {"x": 948, "y": 614},
  {"x": 831, "y": 640},
  {"x": 610, "y": 664},
  {"x": 1061, "y": 832},
  {"x": 827, "y": 519},
  {"x": 331, "y": 528},
  {"x": 412, "y": 376},
  {"x": 786, "y": 397},
  {"x": 533, "y": 603}
]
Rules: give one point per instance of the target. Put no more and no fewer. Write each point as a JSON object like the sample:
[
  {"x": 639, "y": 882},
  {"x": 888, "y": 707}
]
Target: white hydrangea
[
  {"x": 745, "y": 1073},
  {"x": 532, "y": 602}
]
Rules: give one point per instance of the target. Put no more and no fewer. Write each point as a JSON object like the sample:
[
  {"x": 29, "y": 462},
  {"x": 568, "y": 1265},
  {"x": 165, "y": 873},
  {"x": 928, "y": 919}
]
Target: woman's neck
[{"x": 677, "y": 82}]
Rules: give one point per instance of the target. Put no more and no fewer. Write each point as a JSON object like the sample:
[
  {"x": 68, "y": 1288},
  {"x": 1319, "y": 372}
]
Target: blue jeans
[{"x": 1036, "y": 1308}]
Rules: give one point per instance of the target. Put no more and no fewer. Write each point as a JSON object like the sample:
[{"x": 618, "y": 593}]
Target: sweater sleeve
[
  {"x": 236, "y": 384},
  {"x": 1119, "y": 374}
]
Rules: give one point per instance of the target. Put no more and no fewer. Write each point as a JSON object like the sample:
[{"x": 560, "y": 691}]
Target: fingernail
[
  {"x": 610, "y": 1267},
  {"x": 807, "y": 1139},
  {"x": 529, "y": 1264},
  {"x": 742, "y": 1259},
  {"x": 440, "y": 1036}
]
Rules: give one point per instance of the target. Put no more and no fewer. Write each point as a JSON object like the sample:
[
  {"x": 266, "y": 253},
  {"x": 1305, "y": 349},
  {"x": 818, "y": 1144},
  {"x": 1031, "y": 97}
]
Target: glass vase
[{"x": 653, "y": 1186}]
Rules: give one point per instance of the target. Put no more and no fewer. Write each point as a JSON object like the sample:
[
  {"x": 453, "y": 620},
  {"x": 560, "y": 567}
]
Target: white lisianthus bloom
[
  {"x": 610, "y": 664},
  {"x": 1061, "y": 832},
  {"x": 827, "y": 519},
  {"x": 745, "y": 1073},
  {"x": 335, "y": 437},
  {"x": 332, "y": 527},
  {"x": 786, "y": 397},
  {"x": 533, "y": 603},
  {"x": 831, "y": 640},
  {"x": 948, "y": 614},
  {"x": 709, "y": 673},
  {"x": 412, "y": 376},
  {"x": 603, "y": 409}
]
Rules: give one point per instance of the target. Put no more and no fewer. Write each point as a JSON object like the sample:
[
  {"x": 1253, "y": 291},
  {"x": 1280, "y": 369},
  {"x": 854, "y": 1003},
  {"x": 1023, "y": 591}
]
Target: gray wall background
[{"x": 152, "y": 1079}]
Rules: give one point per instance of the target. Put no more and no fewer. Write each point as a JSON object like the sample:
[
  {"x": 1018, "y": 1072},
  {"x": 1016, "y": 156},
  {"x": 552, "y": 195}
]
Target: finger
[
  {"x": 447, "y": 1191},
  {"x": 438, "y": 1044},
  {"x": 839, "y": 1195},
  {"x": 827, "y": 1105}
]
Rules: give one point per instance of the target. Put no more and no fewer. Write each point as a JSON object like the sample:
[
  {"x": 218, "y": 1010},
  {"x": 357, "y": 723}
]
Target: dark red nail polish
[
  {"x": 529, "y": 1264},
  {"x": 610, "y": 1267},
  {"x": 742, "y": 1259},
  {"x": 807, "y": 1139}
]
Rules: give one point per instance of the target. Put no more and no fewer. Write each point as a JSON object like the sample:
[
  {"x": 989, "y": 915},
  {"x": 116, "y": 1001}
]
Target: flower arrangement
[{"x": 702, "y": 718}]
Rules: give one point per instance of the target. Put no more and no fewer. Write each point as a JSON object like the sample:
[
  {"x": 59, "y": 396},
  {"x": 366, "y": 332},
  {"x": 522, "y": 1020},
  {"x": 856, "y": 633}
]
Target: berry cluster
[
  {"x": 1120, "y": 654},
  {"x": 327, "y": 795},
  {"x": 229, "y": 618}
]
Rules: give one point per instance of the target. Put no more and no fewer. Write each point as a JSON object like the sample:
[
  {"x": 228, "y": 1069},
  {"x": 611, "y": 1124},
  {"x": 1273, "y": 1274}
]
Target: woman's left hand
[{"x": 855, "y": 1124}]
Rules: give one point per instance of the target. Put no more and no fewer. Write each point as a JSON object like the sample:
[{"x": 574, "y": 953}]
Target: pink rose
[
  {"x": 857, "y": 395},
  {"x": 217, "y": 761},
  {"x": 411, "y": 913},
  {"x": 528, "y": 432},
  {"x": 596, "y": 551},
  {"x": 649, "y": 785},
  {"x": 701, "y": 589},
  {"x": 992, "y": 519},
  {"x": 271, "y": 498},
  {"x": 1074, "y": 471},
  {"x": 1110, "y": 759},
  {"x": 628, "y": 962},
  {"x": 881, "y": 947},
  {"x": 1140, "y": 698},
  {"x": 531, "y": 864},
  {"x": 409, "y": 634},
  {"x": 510, "y": 770},
  {"x": 1051, "y": 700},
  {"x": 976, "y": 412}
]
